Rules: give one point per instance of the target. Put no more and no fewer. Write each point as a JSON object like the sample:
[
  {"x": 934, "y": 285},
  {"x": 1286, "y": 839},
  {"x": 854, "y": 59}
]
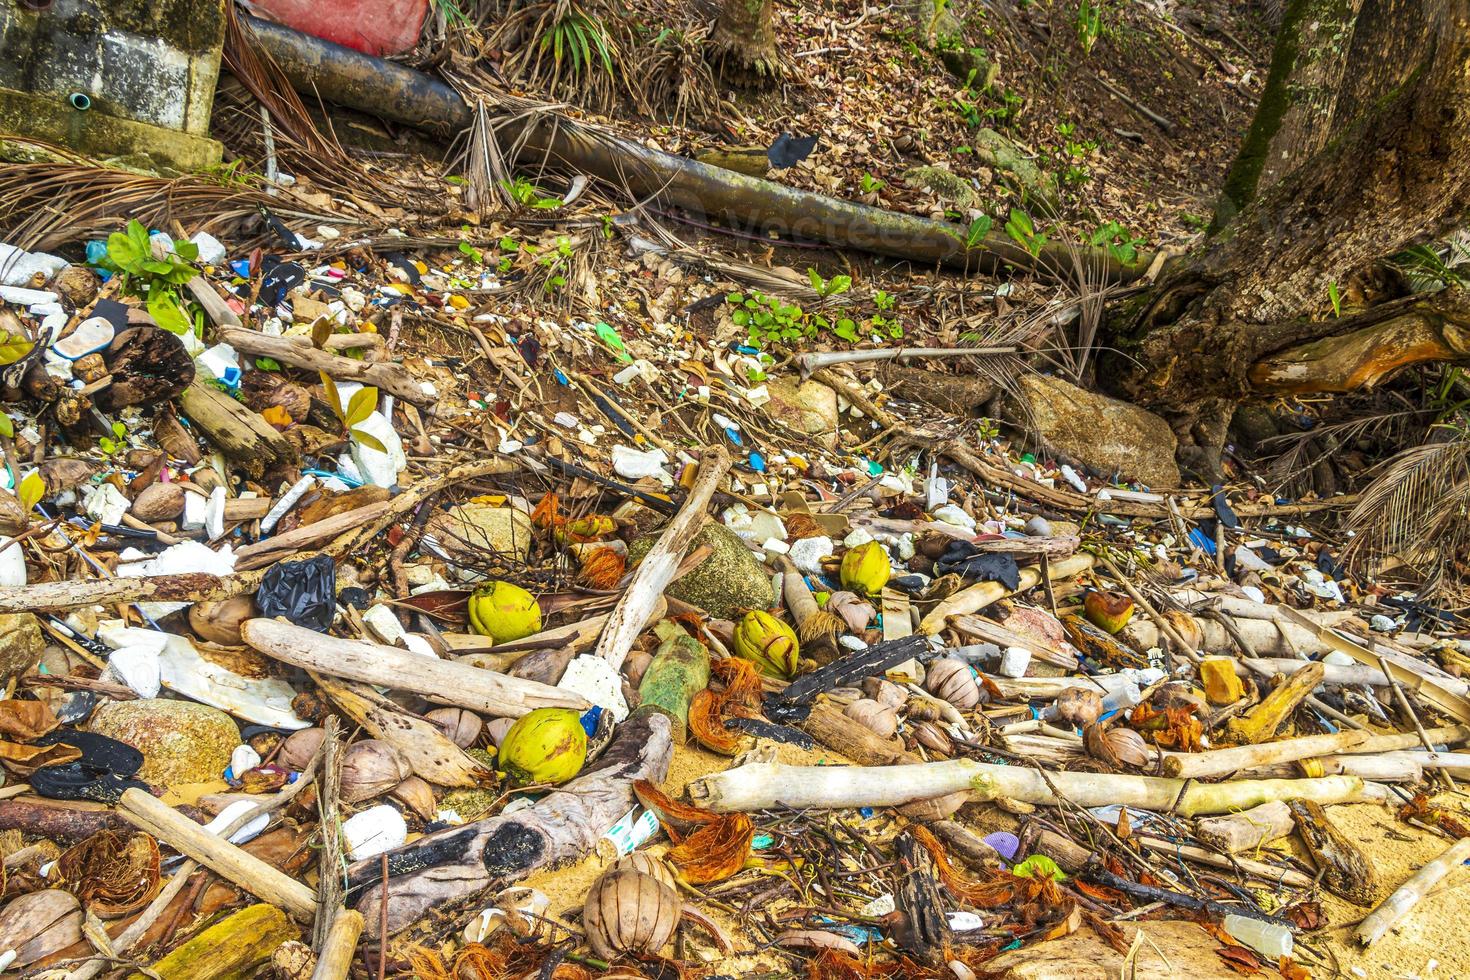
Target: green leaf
[
  {"x": 267, "y": 364},
  {"x": 362, "y": 404},
  {"x": 138, "y": 236},
  {"x": 14, "y": 346},
  {"x": 165, "y": 311},
  {"x": 119, "y": 430},
  {"x": 31, "y": 490},
  {"x": 107, "y": 446},
  {"x": 186, "y": 250},
  {"x": 7, "y": 426},
  {"x": 470, "y": 250},
  {"x": 838, "y": 285},
  {"x": 816, "y": 280},
  {"x": 369, "y": 440},
  {"x": 120, "y": 250},
  {"x": 979, "y": 228}
]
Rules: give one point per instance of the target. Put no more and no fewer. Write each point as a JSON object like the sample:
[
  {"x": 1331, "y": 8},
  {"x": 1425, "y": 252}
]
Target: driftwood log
[
  {"x": 982, "y": 594},
  {"x": 1247, "y": 830},
  {"x": 443, "y": 681},
  {"x": 657, "y": 568},
  {"x": 1346, "y": 870},
  {"x": 564, "y": 825},
  {"x": 1407, "y": 895},
  {"x": 768, "y": 785},
  {"x": 235, "y": 430},
  {"x": 385, "y": 375}
]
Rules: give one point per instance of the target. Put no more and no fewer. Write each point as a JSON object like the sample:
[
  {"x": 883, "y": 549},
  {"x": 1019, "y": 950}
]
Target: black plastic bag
[{"x": 305, "y": 592}]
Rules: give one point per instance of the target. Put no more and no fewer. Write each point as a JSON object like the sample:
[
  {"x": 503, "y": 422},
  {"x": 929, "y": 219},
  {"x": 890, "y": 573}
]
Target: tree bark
[
  {"x": 744, "y": 42},
  {"x": 1395, "y": 171}
]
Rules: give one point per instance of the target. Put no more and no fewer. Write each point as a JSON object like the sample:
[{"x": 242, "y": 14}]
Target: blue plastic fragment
[
  {"x": 561, "y": 378},
  {"x": 747, "y": 349},
  {"x": 761, "y": 841},
  {"x": 733, "y": 436},
  {"x": 757, "y": 462},
  {"x": 589, "y": 719},
  {"x": 241, "y": 268},
  {"x": 1202, "y": 541},
  {"x": 865, "y": 812}
]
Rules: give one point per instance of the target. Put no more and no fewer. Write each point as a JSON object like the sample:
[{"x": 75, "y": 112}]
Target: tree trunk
[
  {"x": 1249, "y": 316},
  {"x": 744, "y": 42}
]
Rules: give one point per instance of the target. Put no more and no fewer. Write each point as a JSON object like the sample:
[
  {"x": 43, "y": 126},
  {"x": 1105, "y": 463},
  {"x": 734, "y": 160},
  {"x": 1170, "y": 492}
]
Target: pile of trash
[{"x": 569, "y": 649}]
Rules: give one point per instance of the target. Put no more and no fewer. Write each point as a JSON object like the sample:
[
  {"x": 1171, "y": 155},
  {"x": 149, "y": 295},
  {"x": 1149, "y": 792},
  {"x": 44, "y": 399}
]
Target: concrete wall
[{"x": 148, "y": 67}]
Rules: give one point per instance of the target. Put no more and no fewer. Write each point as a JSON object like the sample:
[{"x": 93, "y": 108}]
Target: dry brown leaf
[
  {"x": 26, "y": 720},
  {"x": 715, "y": 851},
  {"x": 26, "y": 759},
  {"x": 1240, "y": 959}
]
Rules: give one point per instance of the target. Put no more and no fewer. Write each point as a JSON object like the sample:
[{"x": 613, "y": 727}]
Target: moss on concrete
[{"x": 98, "y": 135}]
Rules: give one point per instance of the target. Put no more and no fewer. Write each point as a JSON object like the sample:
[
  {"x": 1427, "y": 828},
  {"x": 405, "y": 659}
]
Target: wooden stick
[
  {"x": 1259, "y": 869},
  {"x": 232, "y": 947},
  {"x": 768, "y": 785},
  {"x": 220, "y": 856},
  {"x": 390, "y": 377},
  {"x": 982, "y": 594},
  {"x": 1262, "y": 721},
  {"x": 1444, "y": 777},
  {"x": 657, "y": 567},
  {"x": 1406, "y": 896},
  {"x": 335, "y": 959},
  {"x": 1247, "y": 830},
  {"x": 330, "y": 886},
  {"x": 443, "y": 681},
  {"x": 266, "y": 552},
  {"x": 1218, "y": 762},
  {"x": 235, "y": 430}
]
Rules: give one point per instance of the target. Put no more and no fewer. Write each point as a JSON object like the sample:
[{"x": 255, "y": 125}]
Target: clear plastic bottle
[{"x": 1268, "y": 939}]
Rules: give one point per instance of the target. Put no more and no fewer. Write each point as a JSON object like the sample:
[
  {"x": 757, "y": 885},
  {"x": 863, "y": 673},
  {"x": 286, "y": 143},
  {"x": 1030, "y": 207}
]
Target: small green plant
[
  {"x": 510, "y": 247},
  {"x": 118, "y": 442},
  {"x": 1010, "y": 107},
  {"x": 452, "y": 14},
  {"x": 767, "y": 319},
  {"x": 526, "y": 194},
  {"x": 987, "y": 429},
  {"x": 1023, "y": 231},
  {"x": 1075, "y": 175},
  {"x": 871, "y": 184},
  {"x": 1089, "y": 23},
  {"x": 970, "y": 112},
  {"x": 580, "y": 39},
  {"x": 474, "y": 254},
  {"x": 1120, "y": 243},
  {"x": 1335, "y": 297},
  {"x": 130, "y": 257},
  {"x": 884, "y": 301},
  {"x": 1065, "y": 131},
  {"x": 979, "y": 228},
  {"x": 885, "y": 325},
  {"x": 556, "y": 261},
  {"x": 835, "y": 286},
  {"x": 362, "y": 404}
]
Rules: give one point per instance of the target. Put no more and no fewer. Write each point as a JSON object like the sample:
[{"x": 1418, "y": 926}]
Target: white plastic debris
[
  {"x": 950, "y": 514},
  {"x": 1071, "y": 476},
  {"x": 596, "y": 680},
  {"x": 374, "y": 831},
  {"x": 233, "y": 812},
  {"x": 179, "y": 559},
  {"x": 106, "y": 503},
  {"x": 211, "y": 252},
  {"x": 373, "y": 465},
  {"x": 807, "y": 553},
  {"x": 214, "y": 514},
  {"x": 12, "y": 563},
  {"x": 856, "y": 538},
  {"x": 17, "y": 296},
  {"x": 1382, "y": 624},
  {"x": 1253, "y": 593},
  {"x": 196, "y": 512},
  {"x": 223, "y": 362},
  {"x": 92, "y": 334},
  {"x": 1013, "y": 662},
  {"x": 1038, "y": 527},
  {"x": 243, "y": 759},
  {"x": 633, "y": 464},
  {"x": 1336, "y": 658},
  {"x": 19, "y": 267},
  {"x": 287, "y": 501},
  {"x": 137, "y": 667}
]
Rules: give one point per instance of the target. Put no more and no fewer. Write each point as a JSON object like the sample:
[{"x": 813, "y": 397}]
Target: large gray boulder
[{"x": 1106, "y": 435}]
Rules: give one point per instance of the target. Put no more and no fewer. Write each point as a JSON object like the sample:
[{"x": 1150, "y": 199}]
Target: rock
[
  {"x": 809, "y": 408},
  {"x": 1105, "y": 434},
  {"x": 957, "y": 394},
  {"x": 946, "y": 185},
  {"x": 21, "y": 644},
  {"x": 182, "y": 742},
  {"x": 469, "y": 530},
  {"x": 729, "y": 580}
]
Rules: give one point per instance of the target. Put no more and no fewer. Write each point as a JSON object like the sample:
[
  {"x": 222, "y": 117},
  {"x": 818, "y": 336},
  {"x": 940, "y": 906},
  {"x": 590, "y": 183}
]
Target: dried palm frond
[
  {"x": 1417, "y": 509},
  {"x": 265, "y": 80},
  {"x": 1297, "y": 452},
  {"x": 62, "y": 197}
]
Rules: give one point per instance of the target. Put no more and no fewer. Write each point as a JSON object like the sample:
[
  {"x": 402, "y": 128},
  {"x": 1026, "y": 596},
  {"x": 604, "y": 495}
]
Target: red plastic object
[{"x": 375, "y": 27}]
